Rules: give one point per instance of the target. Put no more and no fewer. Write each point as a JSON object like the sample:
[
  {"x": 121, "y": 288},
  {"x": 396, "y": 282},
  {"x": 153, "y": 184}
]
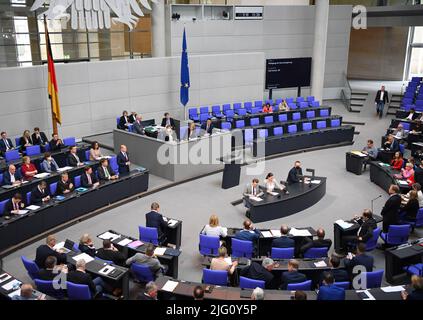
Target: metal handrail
[{"x": 346, "y": 93}]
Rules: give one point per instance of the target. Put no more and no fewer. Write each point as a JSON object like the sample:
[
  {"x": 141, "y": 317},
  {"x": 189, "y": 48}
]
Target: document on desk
[
  {"x": 64, "y": 169},
  {"x": 359, "y": 153},
  {"x": 402, "y": 182},
  {"x": 343, "y": 224},
  {"x": 299, "y": 233},
  {"x": 392, "y": 289},
  {"x": 159, "y": 251},
  {"x": 124, "y": 242},
  {"x": 42, "y": 175},
  {"x": 135, "y": 244},
  {"x": 106, "y": 270},
  {"x": 228, "y": 260},
  {"x": 315, "y": 181},
  {"x": 84, "y": 257},
  {"x": 256, "y": 198},
  {"x": 172, "y": 222},
  {"x": 23, "y": 211},
  {"x": 320, "y": 264},
  {"x": 276, "y": 233},
  {"x": 272, "y": 193},
  {"x": 109, "y": 236},
  {"x": 266, "y": 234},
  {"x": 15, "y": 293},
  {"x": 12, "y": 284},
  {"x": 4, "y": 277},
  {"x": 365, "y": 295},
  {"x": 170, "y": 286},
  {"x": 383, "y": 164},
  {"x": 33, "y": 207}
]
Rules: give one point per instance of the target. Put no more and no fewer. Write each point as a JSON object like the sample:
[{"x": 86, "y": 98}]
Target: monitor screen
[{"x": 288, "y": 73}]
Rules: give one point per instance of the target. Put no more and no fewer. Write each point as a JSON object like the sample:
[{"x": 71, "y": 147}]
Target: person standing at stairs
[{"x": 380, "y": 100}]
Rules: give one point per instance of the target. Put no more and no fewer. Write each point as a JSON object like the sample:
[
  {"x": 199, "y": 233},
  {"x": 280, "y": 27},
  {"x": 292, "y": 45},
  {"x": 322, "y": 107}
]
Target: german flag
[{"x": 52, "y": 83}]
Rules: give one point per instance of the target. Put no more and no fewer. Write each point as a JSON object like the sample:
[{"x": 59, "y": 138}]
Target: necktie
[
  {"x": 254, "y": 191},
  {"x": 89, "y": 179},
  {"x": 15, "y": 206},
  {"x": 6, "y": 143},
  {"x": 76, "y": 157},
  {"x": 106, "y": 172}
]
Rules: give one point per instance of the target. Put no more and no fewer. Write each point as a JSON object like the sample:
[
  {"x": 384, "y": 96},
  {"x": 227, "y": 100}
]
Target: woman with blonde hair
[
  {"x": 28, "y": 169},
  {"x": 213, "y": 228}
]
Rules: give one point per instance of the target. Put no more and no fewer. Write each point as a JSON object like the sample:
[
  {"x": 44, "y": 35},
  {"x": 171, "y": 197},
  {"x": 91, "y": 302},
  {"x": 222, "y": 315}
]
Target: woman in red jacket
[
  {"x": 28, "y": 169},
  {"x": 398, "y": 161}
]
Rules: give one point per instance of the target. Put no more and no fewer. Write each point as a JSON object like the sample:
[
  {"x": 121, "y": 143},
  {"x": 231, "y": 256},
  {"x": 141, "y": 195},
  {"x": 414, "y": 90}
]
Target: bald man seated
[{"x": 320, "y": 242}]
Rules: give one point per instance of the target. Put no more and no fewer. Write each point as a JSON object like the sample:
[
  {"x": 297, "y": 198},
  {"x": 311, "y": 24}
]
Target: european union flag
[{"x": 184, "y": 73}]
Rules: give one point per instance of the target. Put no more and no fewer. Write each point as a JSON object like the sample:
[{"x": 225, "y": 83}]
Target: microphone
[{"x": 373, "y": 200}]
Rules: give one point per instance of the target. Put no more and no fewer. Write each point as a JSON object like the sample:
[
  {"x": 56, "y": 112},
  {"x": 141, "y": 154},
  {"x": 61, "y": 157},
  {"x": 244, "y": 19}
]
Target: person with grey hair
[
  {"x": 150, "y": 292},
  {"x": 148, "y": 260},
  {"x": 258, "y": 294},
  {"x": 261, "y": 272},
  {"x": 79, "y": 276}
]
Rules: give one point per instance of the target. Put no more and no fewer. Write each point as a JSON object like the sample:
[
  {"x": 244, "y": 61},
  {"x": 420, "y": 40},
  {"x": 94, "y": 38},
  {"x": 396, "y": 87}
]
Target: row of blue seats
[{"x": 35, "y": 150}]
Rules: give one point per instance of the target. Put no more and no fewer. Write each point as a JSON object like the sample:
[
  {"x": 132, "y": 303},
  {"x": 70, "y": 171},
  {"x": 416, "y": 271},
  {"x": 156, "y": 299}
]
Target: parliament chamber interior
[{"x": 218, "y": 150}]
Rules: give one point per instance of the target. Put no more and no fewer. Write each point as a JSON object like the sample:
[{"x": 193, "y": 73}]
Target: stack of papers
[
  {"x": 343, "y": 224},
  {"x": 109, "y": 236},
  {"x": 276, "y": 233},
  {"x": 124, "y": 242},
  {"x": 42, "y": 175},
  {"x": 255, "y": 198},
  {"x": 12, "y": 285},
  {"x": 172, "y": 222},
  {"x": 393, "y": 289},
  {"x": 159, "y": 251},
  {"x": 135, "y": 244},
  {"x": 170, "y": 286},
  {"x": 320, "y": 264},
  {"x": 299, "y": 233},
  {"x": 358, "y": 153},
  {"x": 267, "y": 234},
  {"x": 33, "y": 207},
  {"x": 84, "y": 257}
]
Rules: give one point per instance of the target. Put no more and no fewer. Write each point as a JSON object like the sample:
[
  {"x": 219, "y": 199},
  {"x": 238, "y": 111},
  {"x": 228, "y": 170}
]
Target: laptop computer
[{"x": 68, "y": 246}]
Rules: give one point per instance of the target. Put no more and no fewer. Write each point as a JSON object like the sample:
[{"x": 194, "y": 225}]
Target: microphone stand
[{"x": 373, "y": 200}]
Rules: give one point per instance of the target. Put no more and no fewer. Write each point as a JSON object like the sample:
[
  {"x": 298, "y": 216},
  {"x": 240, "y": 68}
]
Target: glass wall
[
  {"x": 22, "y": 38},
  {"x": 416, "y": 52}
]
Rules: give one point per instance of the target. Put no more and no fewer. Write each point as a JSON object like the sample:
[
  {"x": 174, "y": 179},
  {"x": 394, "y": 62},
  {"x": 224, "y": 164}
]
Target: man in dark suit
[
  {"x": 124, "y": 121},
  {"x": 154, "y": 219},
  {"x": 168, "y": 120},
  {"x": 51, "y": 271},
  {"x": 46, "y": 250},
  {"x": 123, "y": 160},
  {"x": 295, "y": 174},
  {"x": 5, "y": 143},
  {"x": 149, "y": 293},
  {"x": 261, "y": 272},
  {"x": 418, "y": 174},
  {"x": 292, "y": 275},
  {"x": 110, "y": 253},
  {"x": 56, "y": 144},
  {"x": 132, "y": 117},
  {"x": 328, "y": 291},
  {"x": 360, "y": 259},
  {"x": 207, "y": 127},
  {"x": 137, "y": 126},
  {"x": 73, "y": 158},
  {"x": 64, "y": 186},
  {"x": 340, "y": 274},
  {"x": 392, "y": 144},
  {"x": 12, "y": 176},
  {"x": 284, "y": 241},
  {"x": 13, "y": 206},
  {"x": 105, "y": 172},
  {"x": 320, "y": 242},
  {"x": 364, "y": 233},
  {"x": 39, "y": 137},
  {"x": 40, "y": 194},
  {"x": 89, "y": 179},
  {"x": 380, "y": 100},
  {"x": 390, "y": 211},
  {"x": 249, "y": 232},
  {"x": 79, "y": 276}
]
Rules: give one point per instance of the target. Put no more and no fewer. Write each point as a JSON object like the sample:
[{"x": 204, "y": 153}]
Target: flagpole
[{"x": 53, "y": 118}]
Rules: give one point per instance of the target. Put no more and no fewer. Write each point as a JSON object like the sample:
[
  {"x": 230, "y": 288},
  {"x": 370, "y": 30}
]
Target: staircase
[
  {"x": 394, "y": 104},
  {"x": 357, "y": 100}
]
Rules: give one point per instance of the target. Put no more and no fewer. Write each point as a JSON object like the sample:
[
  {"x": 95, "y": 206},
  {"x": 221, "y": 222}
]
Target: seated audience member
[
  {"x": 12, "y": 177},
  {"x": 213, "y": 228},
  {"x": 300, "y": 295},
  {"x": 154, "y": 219},
  {"x": 149, "y": 293},
  {"x": 261, "y": 271},
  {"x": 89, "y": 179},
  {"x": 86, "y": 245},
  {"x": 219, "y": 263},
  {"x": 73, "y": 158},
  {"x": 411, "y": 115},
  {"x": 417, "y": 292},
  {"x": 370, "y": 151},
  {"x": 198, "y": 293},
  {"x": 64, "y": 186},
  {"x": 39, "y": 137},
  {"x": 49, "y": 165},
  {"x": 191, "y": 132},
  {"x": 132, "y": 117},
  {"x": 105, "y": 171},
  {"x": 292, "y": 275},
  {"x": 399, "y": 132},
  {"x": 207, "y": 127},
  {"x": 390, "y": 211},
  {"x": 13, "y": 206},
  {"x": 413, "y": 162},
  {"x": 27, "y": 293},
  {"x": 124, "y": 121},
  {"x": 167, "y": 134},
  {"x": 329, "y": 291},
  {"x": 365, "y": 232},
  {"x": 6, "y": 144},
  {"x": 283, "y": 106},
  {"x": 340, "y": 274},
  {"x": 95, "y": 152},
  {"x": 295, "y": 174},
  {"x": 148, "y": 260},
  {"x": 270, "y": 183},
  {"x": 418, "y": 173},
  {"x": 320, "y": 242},
  {"x": 168, "y": 121},
  {"x": 47, "y": 250},
  {"x": 416, "y": 187},
  {"x": 258, "y": 294},
  {"x": 51, "y": 270},
  {"x": 40, "y": 194},
  {"x": 80, "y": 276},
  {"x": 284, "y": 241},
  {"x": 267, "y": 108},
  {"x": 123, "y": 160},
  {"x": 110, "y": 253},
  {"x": 359, "y": 259},
  {"x": 407, "y": 173},
  {"x": 397, "y": 162},
  {"x": 410, "y": 209},
  {"x": 28, "y": 169},
  {"x": 25, "y": 140},
  {"x": 391, "y": 144},
  {"x": 56, "y": 144},
  {"x": 249, "y": 232},
  {"x": 137, "y": 126}
]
